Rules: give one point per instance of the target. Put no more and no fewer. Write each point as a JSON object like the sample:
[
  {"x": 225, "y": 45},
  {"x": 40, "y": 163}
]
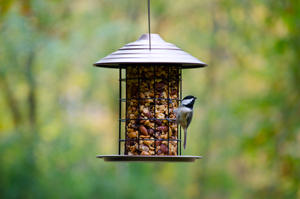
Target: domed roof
[{"x": 139, "y": 52}]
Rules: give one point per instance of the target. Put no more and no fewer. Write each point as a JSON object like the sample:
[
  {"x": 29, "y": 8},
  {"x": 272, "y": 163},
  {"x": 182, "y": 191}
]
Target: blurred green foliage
[{"x": 57, "y": 112}]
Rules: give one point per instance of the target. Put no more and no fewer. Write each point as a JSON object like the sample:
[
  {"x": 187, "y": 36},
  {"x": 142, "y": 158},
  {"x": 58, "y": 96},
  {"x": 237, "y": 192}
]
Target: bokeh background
[{"x": 57, "y": 112}]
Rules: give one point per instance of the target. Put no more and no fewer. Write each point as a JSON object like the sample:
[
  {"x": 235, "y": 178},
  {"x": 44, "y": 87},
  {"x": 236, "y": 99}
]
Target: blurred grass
[{"x": 57, "y": 112}]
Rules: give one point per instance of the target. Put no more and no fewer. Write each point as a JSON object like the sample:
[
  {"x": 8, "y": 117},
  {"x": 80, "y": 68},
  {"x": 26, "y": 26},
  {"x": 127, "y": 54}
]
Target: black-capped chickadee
[{"x": 184, "y": 114}]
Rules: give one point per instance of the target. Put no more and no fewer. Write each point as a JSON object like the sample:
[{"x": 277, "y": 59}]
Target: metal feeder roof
[{"x": 140, "y": 52}]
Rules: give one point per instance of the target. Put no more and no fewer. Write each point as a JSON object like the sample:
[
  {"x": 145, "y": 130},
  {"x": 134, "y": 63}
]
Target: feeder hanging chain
[{"x": 149, "y": 28}]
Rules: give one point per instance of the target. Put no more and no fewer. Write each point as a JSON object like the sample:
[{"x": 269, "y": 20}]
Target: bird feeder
[{"x": 150, "y": 89}]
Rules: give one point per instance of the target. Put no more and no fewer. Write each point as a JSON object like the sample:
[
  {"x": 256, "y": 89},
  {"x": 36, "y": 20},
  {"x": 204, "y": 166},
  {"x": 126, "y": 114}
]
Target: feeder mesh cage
[{"x": 152, "y": 94}]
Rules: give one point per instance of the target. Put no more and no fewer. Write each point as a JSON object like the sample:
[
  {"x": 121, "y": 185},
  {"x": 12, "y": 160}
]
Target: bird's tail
[{"x": 185, "y": 132}]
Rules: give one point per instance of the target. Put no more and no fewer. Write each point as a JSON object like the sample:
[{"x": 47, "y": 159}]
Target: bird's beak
[{"x": 195, "y": 98}]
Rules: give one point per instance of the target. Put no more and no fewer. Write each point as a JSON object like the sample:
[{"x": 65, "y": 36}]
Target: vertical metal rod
[
  {"x": 149, "y": 26},
  {"x": 120, "y": 108},
  {"x": 168, "y": 110},
  {"x": 126, "y": 107},
  {"x": 154, "y": 87},
  {"x": 180, "y": 97},
  {"x": 177, "y": 100}
]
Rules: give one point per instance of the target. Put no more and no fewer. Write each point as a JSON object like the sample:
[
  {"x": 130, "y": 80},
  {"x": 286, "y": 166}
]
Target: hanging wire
[{"x": 149, "y": 28}]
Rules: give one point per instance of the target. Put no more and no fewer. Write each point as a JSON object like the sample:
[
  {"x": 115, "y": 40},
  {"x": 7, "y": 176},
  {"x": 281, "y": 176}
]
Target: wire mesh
[{"x": 152, "y": 94}]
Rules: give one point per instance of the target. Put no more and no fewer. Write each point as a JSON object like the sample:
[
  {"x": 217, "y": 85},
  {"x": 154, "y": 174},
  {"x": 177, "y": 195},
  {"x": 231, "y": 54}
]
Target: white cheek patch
[{"x": 187, "y": 101}]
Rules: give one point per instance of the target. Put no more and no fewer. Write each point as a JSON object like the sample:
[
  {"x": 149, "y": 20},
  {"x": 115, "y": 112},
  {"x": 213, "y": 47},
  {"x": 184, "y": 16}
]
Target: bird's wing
[{"x": 189, "y": 117}]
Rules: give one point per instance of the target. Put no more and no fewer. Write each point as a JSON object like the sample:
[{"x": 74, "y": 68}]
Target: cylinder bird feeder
[{"x": 150, "y": 89}]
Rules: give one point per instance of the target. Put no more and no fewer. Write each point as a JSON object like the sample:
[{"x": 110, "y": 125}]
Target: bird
[{"x": 184, "y": 114}]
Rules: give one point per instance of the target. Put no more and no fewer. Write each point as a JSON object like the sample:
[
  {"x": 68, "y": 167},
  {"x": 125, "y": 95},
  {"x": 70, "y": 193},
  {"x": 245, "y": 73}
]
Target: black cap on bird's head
[{"x": 188, "y": 101}]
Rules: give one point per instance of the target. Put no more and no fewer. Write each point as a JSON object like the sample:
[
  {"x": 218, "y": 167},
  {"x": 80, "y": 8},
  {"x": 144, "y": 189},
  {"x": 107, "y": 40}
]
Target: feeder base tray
[{"x": 141, "y": 158}]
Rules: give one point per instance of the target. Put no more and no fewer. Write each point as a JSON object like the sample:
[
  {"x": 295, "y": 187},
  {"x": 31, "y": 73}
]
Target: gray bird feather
[{"x": 184, "y": 119}]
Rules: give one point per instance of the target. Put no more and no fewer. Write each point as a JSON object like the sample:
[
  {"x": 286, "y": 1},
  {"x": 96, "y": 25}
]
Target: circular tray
[{"x": 141, "y": 158}]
